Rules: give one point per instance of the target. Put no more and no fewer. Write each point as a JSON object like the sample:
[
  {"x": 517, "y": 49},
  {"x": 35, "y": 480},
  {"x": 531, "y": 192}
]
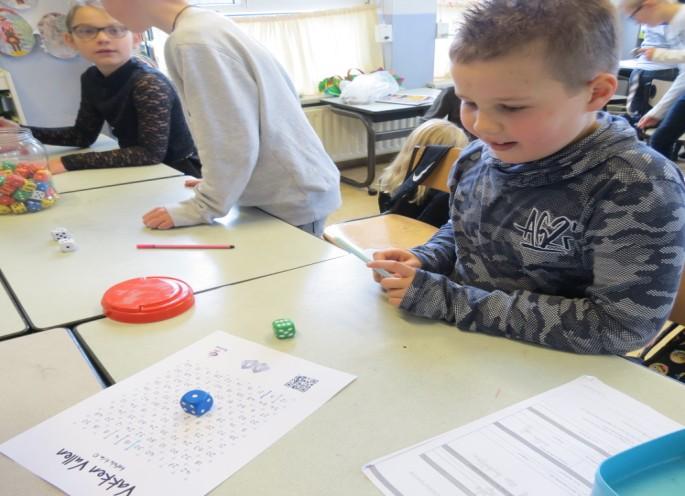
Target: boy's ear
[{"x": 602, "y": 88}]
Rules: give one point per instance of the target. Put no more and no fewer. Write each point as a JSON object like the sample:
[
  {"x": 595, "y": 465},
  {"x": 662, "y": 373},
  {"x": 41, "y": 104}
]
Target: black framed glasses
[
  {"x": 638, "y": 9},
  {"x": 87, "y": 32}
]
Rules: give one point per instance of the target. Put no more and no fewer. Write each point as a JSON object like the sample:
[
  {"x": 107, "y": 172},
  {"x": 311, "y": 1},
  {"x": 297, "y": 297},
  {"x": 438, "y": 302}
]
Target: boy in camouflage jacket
[{"x": 565, "y": 230}]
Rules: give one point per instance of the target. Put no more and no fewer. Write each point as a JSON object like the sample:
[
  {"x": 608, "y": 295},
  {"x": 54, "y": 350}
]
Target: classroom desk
[
  {"x": 69, "y": 182},
  {"x": 43, "y": 374},
  {"x": 57, "y": 288},
  {"x": 11, "y": 321},
  {"x": 102, "y": 144},
  {"x": 416, "y": 378},
  {"x": 629, "y": 64},
  {"x": 372, "y": 113}
]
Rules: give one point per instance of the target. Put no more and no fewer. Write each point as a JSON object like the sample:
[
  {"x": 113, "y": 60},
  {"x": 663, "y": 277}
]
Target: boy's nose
[{"x": 485, "y": 124}]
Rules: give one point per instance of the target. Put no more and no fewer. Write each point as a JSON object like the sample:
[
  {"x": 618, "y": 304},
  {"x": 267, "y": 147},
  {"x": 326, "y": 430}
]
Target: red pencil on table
[{"x": 185, "y": 247}]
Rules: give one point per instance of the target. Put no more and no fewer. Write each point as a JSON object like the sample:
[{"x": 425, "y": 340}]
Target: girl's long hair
[{"x": 431, "y": 132}]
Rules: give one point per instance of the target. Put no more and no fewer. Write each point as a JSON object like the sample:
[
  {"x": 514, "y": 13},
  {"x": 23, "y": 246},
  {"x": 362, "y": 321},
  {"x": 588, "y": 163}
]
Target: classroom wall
[
  {"x": 279, "y": 6},
  {"x": 48, "y": 87},
  {"x": 628, "y": 36},
  {"x": 413, "y": 46}
]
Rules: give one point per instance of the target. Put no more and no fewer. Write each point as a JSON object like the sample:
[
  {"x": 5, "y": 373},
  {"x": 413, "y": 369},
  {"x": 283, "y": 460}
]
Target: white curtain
[
  {"x": 450, "y": 12},
  {"x": 315, "y": 45}
]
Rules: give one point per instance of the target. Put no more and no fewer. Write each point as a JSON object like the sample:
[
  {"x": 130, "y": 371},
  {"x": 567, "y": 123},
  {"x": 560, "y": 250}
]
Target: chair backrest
[
  {"x": 381, "y": 231},
  {"x": 438, "y": 178}
]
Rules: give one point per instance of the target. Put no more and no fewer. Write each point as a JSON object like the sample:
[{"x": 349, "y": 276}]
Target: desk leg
[{"x": 370, "y": 153}]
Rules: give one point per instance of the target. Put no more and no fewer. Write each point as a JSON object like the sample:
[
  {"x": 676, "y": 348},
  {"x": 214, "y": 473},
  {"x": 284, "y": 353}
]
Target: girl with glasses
[{"x": 138, "y": 102}]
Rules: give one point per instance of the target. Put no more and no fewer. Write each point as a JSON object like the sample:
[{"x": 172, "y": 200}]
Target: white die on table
[
  {"x": 59, "y": 233},
  {"x": 67, "y": 244}
]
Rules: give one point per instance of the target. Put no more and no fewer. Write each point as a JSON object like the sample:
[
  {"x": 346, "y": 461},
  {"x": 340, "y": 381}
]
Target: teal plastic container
[{"x": 654, "y": 468}]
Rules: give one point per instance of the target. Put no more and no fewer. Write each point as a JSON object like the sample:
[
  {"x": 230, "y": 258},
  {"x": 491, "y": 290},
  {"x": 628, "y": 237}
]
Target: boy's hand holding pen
[{"x": 402, "y": 264}]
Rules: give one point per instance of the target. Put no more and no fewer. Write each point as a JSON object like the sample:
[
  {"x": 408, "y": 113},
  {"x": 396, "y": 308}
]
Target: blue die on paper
[{"x": 197, "y": 402}]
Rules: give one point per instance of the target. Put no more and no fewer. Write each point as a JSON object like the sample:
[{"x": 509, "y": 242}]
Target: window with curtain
[
  {"x": 449, "y": 12},
  {"x": 315, "y": 45},
  {"x": 310, "y": 45}
]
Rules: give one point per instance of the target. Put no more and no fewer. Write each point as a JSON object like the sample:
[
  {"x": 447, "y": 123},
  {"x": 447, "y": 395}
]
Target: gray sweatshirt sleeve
[
  {"x": 668, "y": 55},
  {"x": 221, "y": 100},
  {"x": 636, "y": 253}
]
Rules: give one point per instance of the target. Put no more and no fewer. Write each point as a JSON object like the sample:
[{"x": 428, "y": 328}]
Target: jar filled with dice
[{"x": 25, "y": 180}]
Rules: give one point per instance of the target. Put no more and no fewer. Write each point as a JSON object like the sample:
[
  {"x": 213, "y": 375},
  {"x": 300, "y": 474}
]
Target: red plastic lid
[{"x": 147, "y": 299}]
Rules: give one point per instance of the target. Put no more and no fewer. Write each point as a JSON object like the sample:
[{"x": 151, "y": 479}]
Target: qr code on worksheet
[{"x": 301, "y": 383}]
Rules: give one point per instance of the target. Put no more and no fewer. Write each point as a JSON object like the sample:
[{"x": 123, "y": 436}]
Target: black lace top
[{"x": 143, "y": 111}]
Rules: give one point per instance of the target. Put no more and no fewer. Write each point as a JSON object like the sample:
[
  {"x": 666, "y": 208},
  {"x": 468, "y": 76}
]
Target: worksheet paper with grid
[{"x": 134, "y": 438}]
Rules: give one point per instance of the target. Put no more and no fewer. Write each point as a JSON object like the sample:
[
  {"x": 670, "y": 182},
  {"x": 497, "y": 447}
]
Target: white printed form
[
  {"x": 133, "y": 438},
  {"x": 549, "y": 444}
]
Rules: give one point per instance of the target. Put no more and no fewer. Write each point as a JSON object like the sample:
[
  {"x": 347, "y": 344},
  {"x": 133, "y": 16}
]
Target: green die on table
[{"x": 283, "y": 328}]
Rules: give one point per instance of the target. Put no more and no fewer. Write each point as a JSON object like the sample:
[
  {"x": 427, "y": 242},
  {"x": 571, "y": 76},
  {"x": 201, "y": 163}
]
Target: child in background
[
  {"x": 139, "y": 102},
  {"x": 668, "y": 115},
  {"x": 429, "y": 206},
  {"x": 565, "y": 231},
  {"x": 646, "y": 70},
  {"x": 256, "y": 145}
]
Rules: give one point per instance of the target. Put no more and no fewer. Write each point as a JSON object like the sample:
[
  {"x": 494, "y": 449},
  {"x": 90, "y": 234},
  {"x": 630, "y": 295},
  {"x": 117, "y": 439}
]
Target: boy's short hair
[
  {"x": 77, "y": 4},
  {"x": 578, "y": 36}
]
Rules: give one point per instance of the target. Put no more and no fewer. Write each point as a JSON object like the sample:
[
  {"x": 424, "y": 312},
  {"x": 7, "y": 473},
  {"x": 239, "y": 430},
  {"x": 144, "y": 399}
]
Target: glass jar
[{"x": 25, "y": 180}]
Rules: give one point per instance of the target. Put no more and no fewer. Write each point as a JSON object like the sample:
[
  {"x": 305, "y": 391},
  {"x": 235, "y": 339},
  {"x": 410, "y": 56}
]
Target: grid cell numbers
[{"x": 151, "y": 423}]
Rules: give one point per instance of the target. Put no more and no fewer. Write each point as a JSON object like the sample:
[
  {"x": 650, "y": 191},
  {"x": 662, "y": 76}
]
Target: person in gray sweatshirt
[
  {"x": 565, "y": 231},
  {"x": 256, "y": 146}
]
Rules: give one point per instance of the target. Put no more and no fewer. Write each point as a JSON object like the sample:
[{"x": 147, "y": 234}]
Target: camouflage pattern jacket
[{"x": 581, "y": 251}]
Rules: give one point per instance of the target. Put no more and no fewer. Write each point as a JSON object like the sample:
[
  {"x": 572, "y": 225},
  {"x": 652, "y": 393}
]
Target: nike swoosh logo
[{"x": 418, "y": 177}]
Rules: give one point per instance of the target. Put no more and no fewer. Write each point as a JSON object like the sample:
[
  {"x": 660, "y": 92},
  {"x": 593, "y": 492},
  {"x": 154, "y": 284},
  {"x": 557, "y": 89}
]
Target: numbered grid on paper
[{"x": 150, "y": 423}]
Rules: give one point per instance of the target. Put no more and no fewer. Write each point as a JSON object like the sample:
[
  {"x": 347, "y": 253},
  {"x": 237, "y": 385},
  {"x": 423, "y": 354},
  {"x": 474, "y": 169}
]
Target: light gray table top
[
  {"x": 10, "y": 319},
  {"x": 102, "y": 144},
  {"x": 56, "y": 288},
  {"x": 99, "y": 178},
  {"x": 628, "y": 64},
  {"x": 42, "y": 374},
  {"x": 416, "y": 378},
  {"x": 382, "y": 106},
  {"x": 69, "y": 182}
]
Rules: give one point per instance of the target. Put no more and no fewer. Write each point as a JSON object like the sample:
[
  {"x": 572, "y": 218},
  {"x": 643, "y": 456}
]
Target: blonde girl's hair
[
  {"x": 77, "y": 4},
  {"x": 431, "y": 132}
]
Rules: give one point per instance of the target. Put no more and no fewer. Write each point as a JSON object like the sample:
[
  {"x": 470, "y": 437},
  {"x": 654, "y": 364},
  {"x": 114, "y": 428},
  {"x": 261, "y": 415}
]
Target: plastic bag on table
[{"x": 367, "y": 88}]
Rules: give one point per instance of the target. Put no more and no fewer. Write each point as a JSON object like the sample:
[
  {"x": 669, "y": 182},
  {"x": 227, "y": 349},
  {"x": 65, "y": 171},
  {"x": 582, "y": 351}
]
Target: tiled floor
[{"x": 356, "y": 202}]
